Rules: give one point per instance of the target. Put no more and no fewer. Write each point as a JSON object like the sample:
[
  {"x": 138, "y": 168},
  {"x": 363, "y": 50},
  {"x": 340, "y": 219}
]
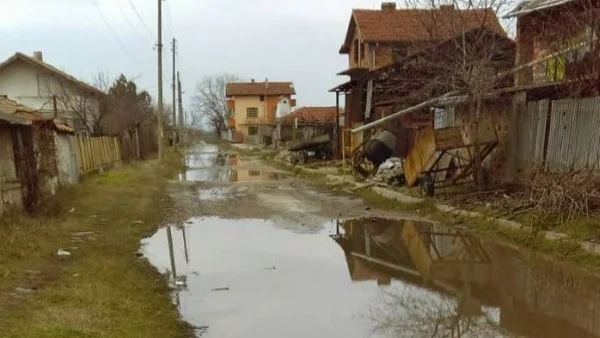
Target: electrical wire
[
  {"x": 169, "y": 18},
  {"x": 114, "y": 33},
  {"x": 137, "y": 13},
  {"x": 132, "y": 26}
]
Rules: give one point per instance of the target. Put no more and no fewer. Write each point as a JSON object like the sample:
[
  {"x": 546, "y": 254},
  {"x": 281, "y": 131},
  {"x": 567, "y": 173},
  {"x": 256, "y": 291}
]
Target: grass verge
[{"x": 103, "y": 289}]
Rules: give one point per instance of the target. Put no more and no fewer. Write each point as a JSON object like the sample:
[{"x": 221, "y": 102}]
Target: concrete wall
[
  {"x": 10, "y": 186},
  {"x": 67, "y": 159}
]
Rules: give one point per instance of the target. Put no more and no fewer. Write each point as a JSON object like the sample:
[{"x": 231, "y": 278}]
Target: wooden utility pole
[
  {"x": 174, "y": 50},
  {"x": 161, "y": 107},
  {"x": 180, "y": 106}
]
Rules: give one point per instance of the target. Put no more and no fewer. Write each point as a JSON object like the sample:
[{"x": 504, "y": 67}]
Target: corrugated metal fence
[{"x": 561, "y": 135}]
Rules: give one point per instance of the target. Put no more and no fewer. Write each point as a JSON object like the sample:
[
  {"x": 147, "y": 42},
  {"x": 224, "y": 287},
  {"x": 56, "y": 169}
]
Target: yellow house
[{"x": 254, "y": 105}]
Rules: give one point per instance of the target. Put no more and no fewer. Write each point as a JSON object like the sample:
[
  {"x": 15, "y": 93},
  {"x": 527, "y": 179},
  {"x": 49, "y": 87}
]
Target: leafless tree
[
  {"x": 464, "y": 51},
  {"x": 85, "y": 107},
  {"x": 210, "y": 101}
]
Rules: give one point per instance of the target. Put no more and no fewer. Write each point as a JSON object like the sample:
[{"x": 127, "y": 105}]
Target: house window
[
  {"x": 443, "y": 117},
  {"x": 262, "y": 98},
  {"x": 356, "y": 51},
  {"x": 252, "y": 112},
  {"x": 252, "y": 131},
  {"x": 254, "y": 172},
  {"x": 362, "y": 51}
]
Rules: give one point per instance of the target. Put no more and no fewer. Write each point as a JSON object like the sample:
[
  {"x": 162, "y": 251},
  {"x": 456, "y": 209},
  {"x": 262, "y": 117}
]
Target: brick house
[
  {"x": 380, "y": 44},
  {"x": 566, "y": 29},
  {"x": 254, "y": 105}
]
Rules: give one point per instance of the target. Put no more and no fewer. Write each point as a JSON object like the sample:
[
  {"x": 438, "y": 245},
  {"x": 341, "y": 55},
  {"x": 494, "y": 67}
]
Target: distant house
[
  {"x": 36, "y": 84},
  {"x": 310, "y": 122},
  {"x": 254, "y": 106}
]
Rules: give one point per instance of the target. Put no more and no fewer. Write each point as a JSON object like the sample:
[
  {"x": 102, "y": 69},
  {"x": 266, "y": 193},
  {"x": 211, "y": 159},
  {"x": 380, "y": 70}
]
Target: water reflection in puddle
[
  {"x": 453, "y": 282},
  {"x": 208, "y": 164},
  {"x": 376, "y": 278},
  {"x": 248, "y": 278}
]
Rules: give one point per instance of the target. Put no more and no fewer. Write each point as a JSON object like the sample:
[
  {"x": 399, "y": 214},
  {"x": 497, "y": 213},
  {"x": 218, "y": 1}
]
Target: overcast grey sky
[{"x": 285, "y": 40}]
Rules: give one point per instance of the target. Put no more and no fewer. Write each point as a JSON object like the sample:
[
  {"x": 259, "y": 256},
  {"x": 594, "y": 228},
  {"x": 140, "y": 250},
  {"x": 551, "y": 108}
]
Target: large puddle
[
  {"x": 360, "y": 277},
  {"x": 207, "y": 163},
  {"x": 369, "y": 278}
]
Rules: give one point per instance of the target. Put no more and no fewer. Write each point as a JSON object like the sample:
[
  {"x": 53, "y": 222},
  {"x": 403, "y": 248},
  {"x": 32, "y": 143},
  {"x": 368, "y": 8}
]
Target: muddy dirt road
[{"x": 262, "y": 254}]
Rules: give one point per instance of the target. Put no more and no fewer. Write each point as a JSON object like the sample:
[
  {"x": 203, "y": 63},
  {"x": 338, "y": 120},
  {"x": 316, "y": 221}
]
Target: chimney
[
  {"x": 388, "y": 6},
  {"x": 446, "y": 7},
  {"x": 38, "y": 56},
  {"x": 267, "y": 82},
  {"x": 252, "y": 80}
]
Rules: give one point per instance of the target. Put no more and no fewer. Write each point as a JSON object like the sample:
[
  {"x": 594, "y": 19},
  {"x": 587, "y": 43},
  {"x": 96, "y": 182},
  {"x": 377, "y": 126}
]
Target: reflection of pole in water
[
  {"x": 185, "y": 249},
  {"x": 171, "y": 254}
]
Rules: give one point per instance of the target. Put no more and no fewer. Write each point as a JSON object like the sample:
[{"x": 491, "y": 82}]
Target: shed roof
[
  {"x": 260, "y": 88},
  {"x": 314, "y": 115},
  {"x": 529, "y": 6},
  {"x": 13, "y": 112},
  {"x": 51, "y": 70},
  {"x": 414, "y": 25}
]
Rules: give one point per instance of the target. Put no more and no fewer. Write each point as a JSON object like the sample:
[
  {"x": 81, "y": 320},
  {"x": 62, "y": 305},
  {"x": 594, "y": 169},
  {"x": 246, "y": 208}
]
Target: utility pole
[
  {"x": 174, "y": 49},
  {"x": 180, "y": 120},
  {"x": 161, "y": 107}
]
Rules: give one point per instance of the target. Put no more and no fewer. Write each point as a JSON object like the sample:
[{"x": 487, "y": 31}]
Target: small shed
[{"x": 37, "y": 154}]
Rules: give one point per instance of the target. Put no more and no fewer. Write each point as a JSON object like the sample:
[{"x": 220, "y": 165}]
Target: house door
[{"x": 26, "y": 165}]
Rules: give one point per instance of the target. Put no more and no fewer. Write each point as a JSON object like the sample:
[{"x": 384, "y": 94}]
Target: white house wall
[{"x": 34, "y": 88}]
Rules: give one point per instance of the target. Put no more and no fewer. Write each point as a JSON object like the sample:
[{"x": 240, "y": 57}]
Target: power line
[
  {"x": 142, "y": 37},
  {"x": 169, "y": 18},
  {"x": 141, "y": 19},
  {"x": 114, "y": 33}
]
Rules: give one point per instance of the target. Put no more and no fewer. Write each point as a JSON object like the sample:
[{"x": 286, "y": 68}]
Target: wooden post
[{"x": 137, "y": 142}]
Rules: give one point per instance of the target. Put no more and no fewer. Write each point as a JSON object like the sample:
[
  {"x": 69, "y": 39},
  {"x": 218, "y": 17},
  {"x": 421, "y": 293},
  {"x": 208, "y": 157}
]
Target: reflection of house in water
[{"x": 536, "y": 297}]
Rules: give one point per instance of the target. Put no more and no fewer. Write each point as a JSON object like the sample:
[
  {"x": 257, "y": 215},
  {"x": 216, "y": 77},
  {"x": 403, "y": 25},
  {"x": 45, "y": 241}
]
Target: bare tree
[
  {"x": 85, "y": 107},
  {"x": 408, "y": 312},
  {"x": 461, "y": 49},
  {"x": 210, "y": 101}
]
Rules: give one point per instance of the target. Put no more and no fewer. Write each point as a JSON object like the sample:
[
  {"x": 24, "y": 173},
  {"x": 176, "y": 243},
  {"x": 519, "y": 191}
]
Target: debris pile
[
  {"x": 565, "y": 195},
  {"x": 285, "y": 156},
  {"x": 390, "y": 172}
]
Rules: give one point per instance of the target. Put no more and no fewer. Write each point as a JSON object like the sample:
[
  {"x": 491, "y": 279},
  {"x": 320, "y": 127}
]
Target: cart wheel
[{"x": 427, "y": 185}]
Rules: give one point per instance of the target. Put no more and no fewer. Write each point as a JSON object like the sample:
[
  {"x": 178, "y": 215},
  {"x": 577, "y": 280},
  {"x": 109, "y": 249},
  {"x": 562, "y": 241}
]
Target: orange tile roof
[
  {"x": 418, "y": 25},
  {"x": 314, "y": 115},
  {"x": 260, "y": 88}
]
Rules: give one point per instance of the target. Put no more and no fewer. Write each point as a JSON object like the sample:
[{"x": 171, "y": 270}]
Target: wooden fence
[
  {"x": 95, "y": 153},
  {"x": 559, "y": 136}
]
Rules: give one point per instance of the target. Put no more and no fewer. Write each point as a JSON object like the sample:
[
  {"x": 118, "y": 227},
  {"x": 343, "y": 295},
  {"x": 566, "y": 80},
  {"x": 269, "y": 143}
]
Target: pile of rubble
[
  {"x": 285, "y": 156},
  {"x": 390, "y": 172}
]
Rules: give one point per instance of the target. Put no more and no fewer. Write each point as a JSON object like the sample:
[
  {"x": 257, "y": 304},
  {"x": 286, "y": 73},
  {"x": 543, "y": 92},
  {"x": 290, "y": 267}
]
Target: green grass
[{"x": 103, "y": 289}]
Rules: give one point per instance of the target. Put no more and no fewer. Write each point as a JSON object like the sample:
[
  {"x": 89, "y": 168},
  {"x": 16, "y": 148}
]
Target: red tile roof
[
  {"x": 314, "y": 115},
  {"x": 418, "y": 25},
  {"x": 260, "y": 88}
]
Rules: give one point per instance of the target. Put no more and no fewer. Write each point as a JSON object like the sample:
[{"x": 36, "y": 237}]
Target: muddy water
[
  {"x": 207, "y": 164},
  {"x": 369, "y": 277}
]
